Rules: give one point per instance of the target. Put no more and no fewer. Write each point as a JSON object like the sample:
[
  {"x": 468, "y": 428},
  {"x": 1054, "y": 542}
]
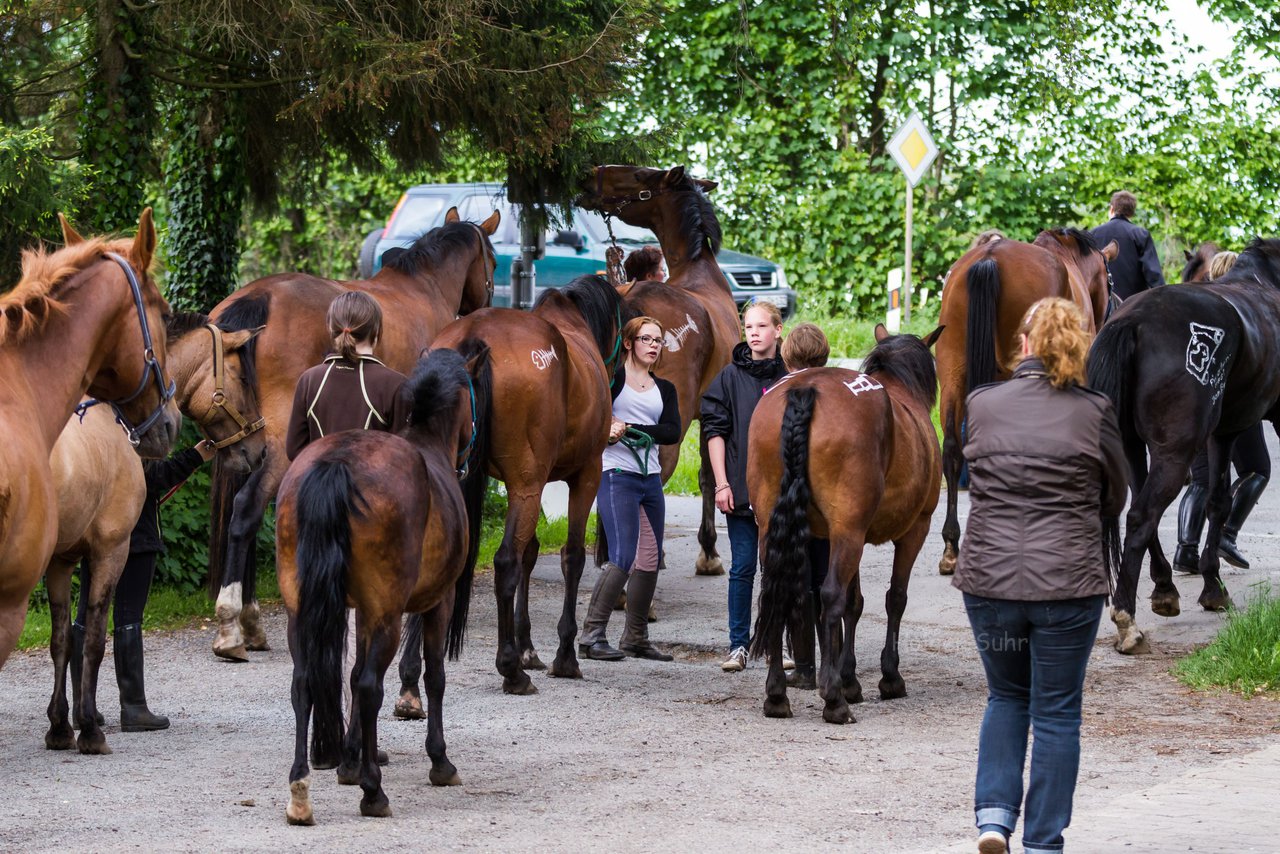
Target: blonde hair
[
  {"x": 805, "y": 346},
  {"x": 1055, "y": 332},
  {"x": 1221, "y": 263},
  {"x": 775, "y": 314},
  {"x": 631, "y": 331},
  {"x": 354, "y": 318}
]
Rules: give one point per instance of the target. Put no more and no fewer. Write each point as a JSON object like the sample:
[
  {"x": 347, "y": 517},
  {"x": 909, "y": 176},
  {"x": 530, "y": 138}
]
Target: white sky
[{"x": 1200, "y": 29}]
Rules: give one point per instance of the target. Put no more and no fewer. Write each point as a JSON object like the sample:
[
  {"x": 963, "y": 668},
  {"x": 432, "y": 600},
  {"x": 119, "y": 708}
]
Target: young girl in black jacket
[{"x": 630, "y": 500}]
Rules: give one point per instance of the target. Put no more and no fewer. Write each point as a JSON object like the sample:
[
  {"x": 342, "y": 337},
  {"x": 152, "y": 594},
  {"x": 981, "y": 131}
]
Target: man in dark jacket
[{"x": 1136, "y": 267}]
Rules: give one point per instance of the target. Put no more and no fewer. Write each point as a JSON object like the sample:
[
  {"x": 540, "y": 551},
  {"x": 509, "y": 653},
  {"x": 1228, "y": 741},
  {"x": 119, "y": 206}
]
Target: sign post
[{"x": 913, "y": 149}]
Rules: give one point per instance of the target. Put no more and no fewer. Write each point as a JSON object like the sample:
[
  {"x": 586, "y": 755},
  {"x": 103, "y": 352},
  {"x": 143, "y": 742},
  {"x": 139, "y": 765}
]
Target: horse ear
[
  {"x": 674, "y": 176},
  {"x": 1186, "y": 252},
  {"x": 881, "y": 332},
  {"x": 144, "y": 243},
  {"x": 490, "y": 225},
  {"x": 235, "y": 340},
  {"x": 452, "y": 215},
  {"x": 932, "y": 337},
  {"x": 1110, "y": 251},
  {"x": 705, "y": 185},
  {"x": 473, "y": 363},
  {"x": 69, "y": 235}
]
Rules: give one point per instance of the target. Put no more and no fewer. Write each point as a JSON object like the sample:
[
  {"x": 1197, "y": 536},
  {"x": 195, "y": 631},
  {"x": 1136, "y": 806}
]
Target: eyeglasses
[{"x": 647, "y": 339}]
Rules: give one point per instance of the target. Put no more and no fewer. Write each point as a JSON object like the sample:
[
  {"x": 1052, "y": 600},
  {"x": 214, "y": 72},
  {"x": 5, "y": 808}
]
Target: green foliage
[
  {"x": 33, "y": 188},
  {"x": 1245, "y": 655}
]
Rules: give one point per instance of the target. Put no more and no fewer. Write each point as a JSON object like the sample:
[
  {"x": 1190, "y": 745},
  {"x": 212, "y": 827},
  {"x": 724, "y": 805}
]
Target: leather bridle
[{"x": 220, "y": 395}]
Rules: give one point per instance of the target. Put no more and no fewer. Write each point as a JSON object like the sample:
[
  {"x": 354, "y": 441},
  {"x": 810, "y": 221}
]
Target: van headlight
[{"x": 780, "y": 277}]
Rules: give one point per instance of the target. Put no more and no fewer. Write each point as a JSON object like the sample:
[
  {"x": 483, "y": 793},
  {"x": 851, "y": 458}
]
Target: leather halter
[
  {"x": 617, "y": 203},
  {"x": 220, "y": 395},
  {"x": 151, "y": 368}
]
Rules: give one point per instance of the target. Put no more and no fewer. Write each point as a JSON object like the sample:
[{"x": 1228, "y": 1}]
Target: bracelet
[{"x": 721, "y": 488}]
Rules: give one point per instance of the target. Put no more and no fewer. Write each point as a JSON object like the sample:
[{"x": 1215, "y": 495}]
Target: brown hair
[
  {"x": 1055, "y": 331},
  {"x": 805, "y": 347},
  {"x": 354, "y": 318},
  {"x": 1221, "y": 263},
  {"x": 643, "y": 263},
  {"x": 991, "y": 235},
  {"x": 775, "y": 314},
  {"x": 1123, "y": 203},
  {"x": 631, "y": 331}
]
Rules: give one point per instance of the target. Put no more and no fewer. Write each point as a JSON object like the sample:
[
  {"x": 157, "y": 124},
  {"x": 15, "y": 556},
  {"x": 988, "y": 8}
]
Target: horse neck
[
  {"x": 187, "y": 364},
  {"x": 683, "y": 269},
  {"x": 901, "y": 393},
  {"x": 448, "y": 280}
]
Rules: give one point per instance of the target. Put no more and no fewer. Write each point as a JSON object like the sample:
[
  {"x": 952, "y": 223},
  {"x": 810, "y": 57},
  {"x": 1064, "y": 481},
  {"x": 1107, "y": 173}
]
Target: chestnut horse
[
  {"x": 853, "y": 458},
  {"x": 87, "y": 318},
  {"x": 695, "y": 305},
  {"x": 447, "y": 272},
  {"x": 986, "y": 294},
  {"x": 1197, "y": 267},
  {"x": 100, "y": 492},
  {"x": 378, "y": 522}
]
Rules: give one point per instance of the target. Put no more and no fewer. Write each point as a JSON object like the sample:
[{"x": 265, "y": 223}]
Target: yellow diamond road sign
[{"x": 913, "y": 149}]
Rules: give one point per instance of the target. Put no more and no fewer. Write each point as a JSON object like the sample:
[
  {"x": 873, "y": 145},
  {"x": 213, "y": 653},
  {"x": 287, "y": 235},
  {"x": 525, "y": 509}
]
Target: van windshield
[
  {"x": 594, "y": 223},
  {"x": 416, "y": 216}
]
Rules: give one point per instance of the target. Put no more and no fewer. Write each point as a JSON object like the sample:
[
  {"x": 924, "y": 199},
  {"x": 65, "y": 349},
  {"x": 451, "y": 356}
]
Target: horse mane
[
  {"x": 432, "y": 248},
  {"x": 1260, "y": 260},
  {"x": 33, "y": 300},
  {"x": 599, "y": 304},
  {"x": 182, "y": 322},
  {"x": 433, "y": 390},
  {"x": 248, "y": 312},
  {"x": 1085, "y": 243},
  {"x": 697, "y": 219},
  {"x": 907, "y": 359}
]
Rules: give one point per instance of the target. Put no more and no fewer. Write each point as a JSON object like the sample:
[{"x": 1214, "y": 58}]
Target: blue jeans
[
  {"x": 743, "y": 540},
  {"x": 622, "y": 497},
  {"x": 1035, "y": 654}
]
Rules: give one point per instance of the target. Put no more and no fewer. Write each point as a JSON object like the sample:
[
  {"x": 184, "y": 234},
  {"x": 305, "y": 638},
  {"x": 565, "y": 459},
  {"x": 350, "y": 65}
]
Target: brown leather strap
[{"x": 220, "y": 394}]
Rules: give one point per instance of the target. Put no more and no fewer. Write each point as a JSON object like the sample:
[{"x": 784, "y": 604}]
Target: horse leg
[
  {"x": 838, "y": 650},
  {"x": 246, "y": 518},
  {"x": 1159, "y": 487},
  {"x": 524, "y": 626},
  {"x": 435, "y": 627},
  {"x": 709, "y": 562},
  {"x": 776, "y": 704},
  {"x": 101, "y": 592},
  {"x": 367, "y": 696},
  {"x": 507, "y": 568},
  {"x": 905, "y": 552},
  {"x": 1214, "y": 596},
  {"x": 255, "y": 639},
  {"x": 299, "y": 810},
  {"x": 58, "y": 582},
  {"x": 952, "y": 459},
  {"x": 349, "y": 768},
  {"x": 848, "y": 661},
  {"x": 582, "y": 492},
  {"x": 409, "y": 706}
]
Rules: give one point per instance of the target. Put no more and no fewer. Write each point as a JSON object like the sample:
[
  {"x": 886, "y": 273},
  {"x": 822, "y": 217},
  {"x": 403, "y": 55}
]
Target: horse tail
[
  {"x": 983, "y": 282},
  {"x": 327, "y": 498},
  {"x": 784, "y": 564},
  {"x": 474, "y": 486},
  {"x": 1110, "y": 368},
  {"x": 225, "y": 483}
]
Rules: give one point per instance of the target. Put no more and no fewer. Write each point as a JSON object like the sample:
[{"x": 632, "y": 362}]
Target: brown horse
[
  {"x": 695, "y": 305},
  {"x": 986, "y": 294},
  {"x": 552, "y": 368},
  {"x": 853, "y": 458},
  {"x": 80, "y": 320},
  {"x": 447, "y": 272},
  {"x": 100, "y": 491},
  {"x": 1197, "y": 267},
  {"x": 377, "y": 522}
]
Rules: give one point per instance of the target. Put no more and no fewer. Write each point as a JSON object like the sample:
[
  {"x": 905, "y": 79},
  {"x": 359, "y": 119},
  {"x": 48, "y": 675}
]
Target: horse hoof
[
  {"x": 568, "y": 669},
  {"x": 1129, "y": 638},
  {"x": 93, "y": 744},
  {"x": 258, "y": 644},
  {"x": 837, "y": 714},
  {"x": 780, "y": 708},
  {"x": 529, "y": 660},
  {"x": 60, "y": 737},
  {"x": 231, "y": 653},
  {"x": 348, "y": 775},
  {"x": 445, "y": 775},
  {"x": 892, "y": 689},
  {"x": 409, "y": 708},
  {"x": 379, "y": 807},
  {"x": 947, "y": 566},
  {"x": 521, "y": 687},
  {"x": 299, "y": 810},
  {"x": 1216, "y": 601},
  {"x": 708, "y": 566},
  {"x": 1166, "y": 606}
]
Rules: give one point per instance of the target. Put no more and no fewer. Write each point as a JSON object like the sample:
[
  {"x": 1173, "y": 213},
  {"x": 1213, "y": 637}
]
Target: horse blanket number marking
[
  {"x": 542, "y": 359},
  {"x": 861, "y": 384},
  {"x": 673, "y": 340}
]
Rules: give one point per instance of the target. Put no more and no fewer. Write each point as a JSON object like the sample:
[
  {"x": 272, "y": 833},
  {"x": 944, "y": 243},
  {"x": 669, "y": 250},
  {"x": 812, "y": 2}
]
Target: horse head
[
  {"x": 1197, "y": 267},
  {"x": 477, "y": 291},
  {"x": 635, "y": 194}
]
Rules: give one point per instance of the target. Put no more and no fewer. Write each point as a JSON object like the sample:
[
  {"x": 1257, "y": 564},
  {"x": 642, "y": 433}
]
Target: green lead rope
[{"x": 638, "y": 443}]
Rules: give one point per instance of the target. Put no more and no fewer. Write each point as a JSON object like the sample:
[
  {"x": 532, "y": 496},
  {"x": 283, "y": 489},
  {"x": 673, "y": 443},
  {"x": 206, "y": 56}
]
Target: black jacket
[
  {"x": 1137, "y": 267},
  {"x": 161, "y": 476},
  {"x": 726, "y": 412},
  {"x": 667, "y": 430}
]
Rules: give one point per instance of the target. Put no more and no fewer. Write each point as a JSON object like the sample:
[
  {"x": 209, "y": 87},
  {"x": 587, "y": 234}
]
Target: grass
[{"x": 1245, "y": 655}]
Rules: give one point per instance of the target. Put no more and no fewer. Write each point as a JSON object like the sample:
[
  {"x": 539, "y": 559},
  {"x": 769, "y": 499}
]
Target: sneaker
[
  {"x": 993, "y": 842},
  {"x": 787, "y": 662},
  {"x": 737, "y": 661}
]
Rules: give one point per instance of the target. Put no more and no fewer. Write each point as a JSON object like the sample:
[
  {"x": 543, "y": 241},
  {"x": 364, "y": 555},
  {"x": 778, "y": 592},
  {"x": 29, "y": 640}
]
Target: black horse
[{"x": 1186, "y": 367}]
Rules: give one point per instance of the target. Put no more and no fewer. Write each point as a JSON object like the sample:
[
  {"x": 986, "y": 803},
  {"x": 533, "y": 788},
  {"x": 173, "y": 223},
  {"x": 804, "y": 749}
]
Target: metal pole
[
  {"x": 523, "y": 298},
  {"x": 906, "y": 271}
]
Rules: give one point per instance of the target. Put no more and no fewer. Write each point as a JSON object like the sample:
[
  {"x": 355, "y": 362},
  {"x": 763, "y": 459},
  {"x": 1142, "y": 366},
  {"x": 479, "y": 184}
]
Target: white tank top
[{"x": 634, "y": 407}]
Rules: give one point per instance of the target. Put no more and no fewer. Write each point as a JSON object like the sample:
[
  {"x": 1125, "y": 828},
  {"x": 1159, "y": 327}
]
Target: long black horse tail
[
  {"x": 983, "y": 284},
  {"x": 1110, "y": 368},
  {"x": 225, "y": 483},
  {"x": 784, "y": 564},
  {"x": 474, "y": 484},
  {"x": 327, "y": 498}
]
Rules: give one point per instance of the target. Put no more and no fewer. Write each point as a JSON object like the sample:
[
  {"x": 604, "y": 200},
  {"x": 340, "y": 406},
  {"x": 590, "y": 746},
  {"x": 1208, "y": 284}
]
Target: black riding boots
[
  {"x": 134, "y": 714},
  {"x": 635, "y": 637},
  {"x": 1245, "y": 493},
  {"x": 593, "y": 644},
  {"x": 1190, "y": 525}
]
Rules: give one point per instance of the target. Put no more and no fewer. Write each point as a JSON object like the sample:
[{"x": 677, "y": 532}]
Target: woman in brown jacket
[{"x": 1045, "y": 463}]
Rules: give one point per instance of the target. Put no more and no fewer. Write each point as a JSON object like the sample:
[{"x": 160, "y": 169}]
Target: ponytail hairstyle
[
  {"x": 354, "y": 318},
  {"x": 1055, "y": 332}
]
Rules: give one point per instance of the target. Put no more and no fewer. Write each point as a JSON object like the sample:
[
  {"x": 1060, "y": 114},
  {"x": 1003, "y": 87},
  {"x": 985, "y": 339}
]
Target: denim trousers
[
  {"x": 622, "y": 497},
  {"x": 1034, "y": 654},
  {"x": 743, "y": 542}
]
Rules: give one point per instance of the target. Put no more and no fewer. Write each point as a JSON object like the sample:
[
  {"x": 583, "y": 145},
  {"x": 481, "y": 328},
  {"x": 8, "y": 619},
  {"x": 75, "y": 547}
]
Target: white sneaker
[
  {"x": 992, "y": 842},
  {"x": 737, "y": 661},
  {"x": 787, "y": 663}
]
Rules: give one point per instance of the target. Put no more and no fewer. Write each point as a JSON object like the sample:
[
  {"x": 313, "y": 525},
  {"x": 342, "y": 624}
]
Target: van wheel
[{"x": 364, "y": 267}]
